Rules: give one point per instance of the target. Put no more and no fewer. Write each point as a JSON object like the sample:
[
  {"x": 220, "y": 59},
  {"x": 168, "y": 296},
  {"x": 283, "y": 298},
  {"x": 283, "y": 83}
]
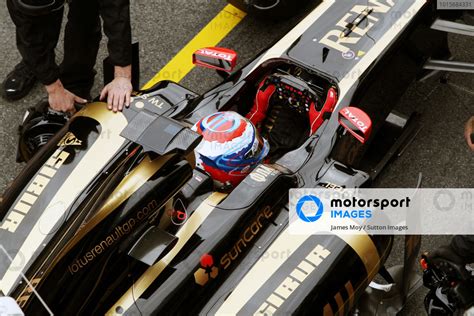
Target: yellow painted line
[{"x": 211, "y": 35}]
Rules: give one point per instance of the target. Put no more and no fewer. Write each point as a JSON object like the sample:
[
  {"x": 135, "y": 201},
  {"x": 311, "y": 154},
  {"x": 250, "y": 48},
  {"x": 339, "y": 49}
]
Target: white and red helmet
[{"x": 231, "y": 148}]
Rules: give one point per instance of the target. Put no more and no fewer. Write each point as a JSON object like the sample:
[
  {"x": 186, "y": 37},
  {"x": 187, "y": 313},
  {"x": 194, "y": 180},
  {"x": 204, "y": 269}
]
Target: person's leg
[
  {"x": 463, "y": 245},
  {"x": 81, "y": 44},
  {"x": 36, "y": 39}
]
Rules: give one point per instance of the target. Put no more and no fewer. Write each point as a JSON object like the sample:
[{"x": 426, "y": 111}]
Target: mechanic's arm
[
  {"x": 116, "y": 17},
  {"x": 37, "y": 37},
  {"x": 469, "y": 132}
]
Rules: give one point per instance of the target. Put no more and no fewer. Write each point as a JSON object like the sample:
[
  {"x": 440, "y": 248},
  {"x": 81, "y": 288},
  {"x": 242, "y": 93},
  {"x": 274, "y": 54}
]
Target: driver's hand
[
  {"x": 62, "y": 100},
  {"x": 118, "y": 92},
  {"x": 468, "y": 132}
]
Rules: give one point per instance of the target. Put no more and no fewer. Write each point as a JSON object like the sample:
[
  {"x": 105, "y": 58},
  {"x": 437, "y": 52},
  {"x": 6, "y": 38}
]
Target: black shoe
[{"x": 18, "y": 83}]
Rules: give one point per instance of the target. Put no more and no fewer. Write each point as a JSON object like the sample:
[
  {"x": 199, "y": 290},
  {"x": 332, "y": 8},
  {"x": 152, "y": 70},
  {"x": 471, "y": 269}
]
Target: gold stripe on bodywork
[
  {"x": 365, "y": 248},
  {"x": 350, "y": 294},
  {"x": 261, "y": 272},
  {"x": 110, "y": 121},
  {"x": 184, "y": 234},
  {"x": 327, "y": 311},
  {"x": 101, "y": 151},
  {"x": 129, "y": 185},
  {"x": 264, "y": 269},
  {"x": 340, "y": 303}
]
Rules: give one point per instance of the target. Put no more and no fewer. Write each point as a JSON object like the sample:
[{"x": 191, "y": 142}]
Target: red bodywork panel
[
  {"x": 218, "y": 54},
  {"x": 359, "y": 119}
]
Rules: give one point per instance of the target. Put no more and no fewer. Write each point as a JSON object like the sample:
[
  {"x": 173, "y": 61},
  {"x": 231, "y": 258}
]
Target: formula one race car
[{"x": 112, "y": 216}]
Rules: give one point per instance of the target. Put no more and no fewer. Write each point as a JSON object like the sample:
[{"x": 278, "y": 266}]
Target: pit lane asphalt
[{"x": 164, "y": 27}]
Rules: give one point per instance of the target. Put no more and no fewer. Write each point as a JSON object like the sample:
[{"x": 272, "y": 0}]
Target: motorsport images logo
[
  {"x": 377, "y": 211},
  {"x": 307, "y": 205}
]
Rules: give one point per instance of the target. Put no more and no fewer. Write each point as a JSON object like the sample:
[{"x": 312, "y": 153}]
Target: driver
[{"x": 230, "y": 149}]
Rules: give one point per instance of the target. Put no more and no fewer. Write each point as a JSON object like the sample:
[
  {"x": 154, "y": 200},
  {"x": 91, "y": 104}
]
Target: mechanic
[
  {"x": 38, "y": 25},
  {"x": 461, "y": 249},
  {"x": 230, "y": 149}
]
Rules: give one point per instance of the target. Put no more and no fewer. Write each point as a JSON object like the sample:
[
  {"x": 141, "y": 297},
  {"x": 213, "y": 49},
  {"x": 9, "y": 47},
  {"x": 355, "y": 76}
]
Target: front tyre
[{"x": 271, "y": 9}]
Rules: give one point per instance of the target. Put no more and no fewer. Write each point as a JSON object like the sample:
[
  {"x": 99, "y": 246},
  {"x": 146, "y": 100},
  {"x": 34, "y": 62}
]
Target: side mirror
[
  {"x": 222, "y": 59},
  {"x": 356, "y": 122}
]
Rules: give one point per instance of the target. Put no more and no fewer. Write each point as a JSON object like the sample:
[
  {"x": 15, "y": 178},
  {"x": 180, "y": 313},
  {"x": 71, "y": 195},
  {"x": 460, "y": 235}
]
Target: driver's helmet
[{"x": 231, "y": 148}]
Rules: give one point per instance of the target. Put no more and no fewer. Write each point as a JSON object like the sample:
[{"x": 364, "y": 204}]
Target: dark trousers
[
  {"x": 38, "y": 36},
  {"x": 463, "y": 245},
  {"x": 81, "y": 44}
]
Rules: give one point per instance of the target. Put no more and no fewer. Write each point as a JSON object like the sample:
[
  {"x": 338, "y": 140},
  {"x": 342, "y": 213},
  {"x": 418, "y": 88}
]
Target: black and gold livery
[
  {"x": 88, "y": 196},
  {"x": 112, "y": 217}
]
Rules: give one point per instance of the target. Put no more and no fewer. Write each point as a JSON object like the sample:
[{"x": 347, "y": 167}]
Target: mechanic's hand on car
[
  {"x": 119, "y": 91},
  {"x": 62, "y": 100},
  {"x": 469, "y": 133}
]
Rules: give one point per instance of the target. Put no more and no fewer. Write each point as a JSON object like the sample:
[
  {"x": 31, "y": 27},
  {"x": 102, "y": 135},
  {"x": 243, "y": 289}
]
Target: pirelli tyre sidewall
[{"x": 271, "y": 9}]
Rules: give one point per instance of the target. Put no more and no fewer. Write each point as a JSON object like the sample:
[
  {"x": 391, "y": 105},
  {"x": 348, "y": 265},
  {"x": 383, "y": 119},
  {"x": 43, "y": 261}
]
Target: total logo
[
  {"x": 207, "y": 271},
  {"x": 309, "y": 208},
  {"x": 214, "y": 53},
  {"x": 356, "y": 120}
]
